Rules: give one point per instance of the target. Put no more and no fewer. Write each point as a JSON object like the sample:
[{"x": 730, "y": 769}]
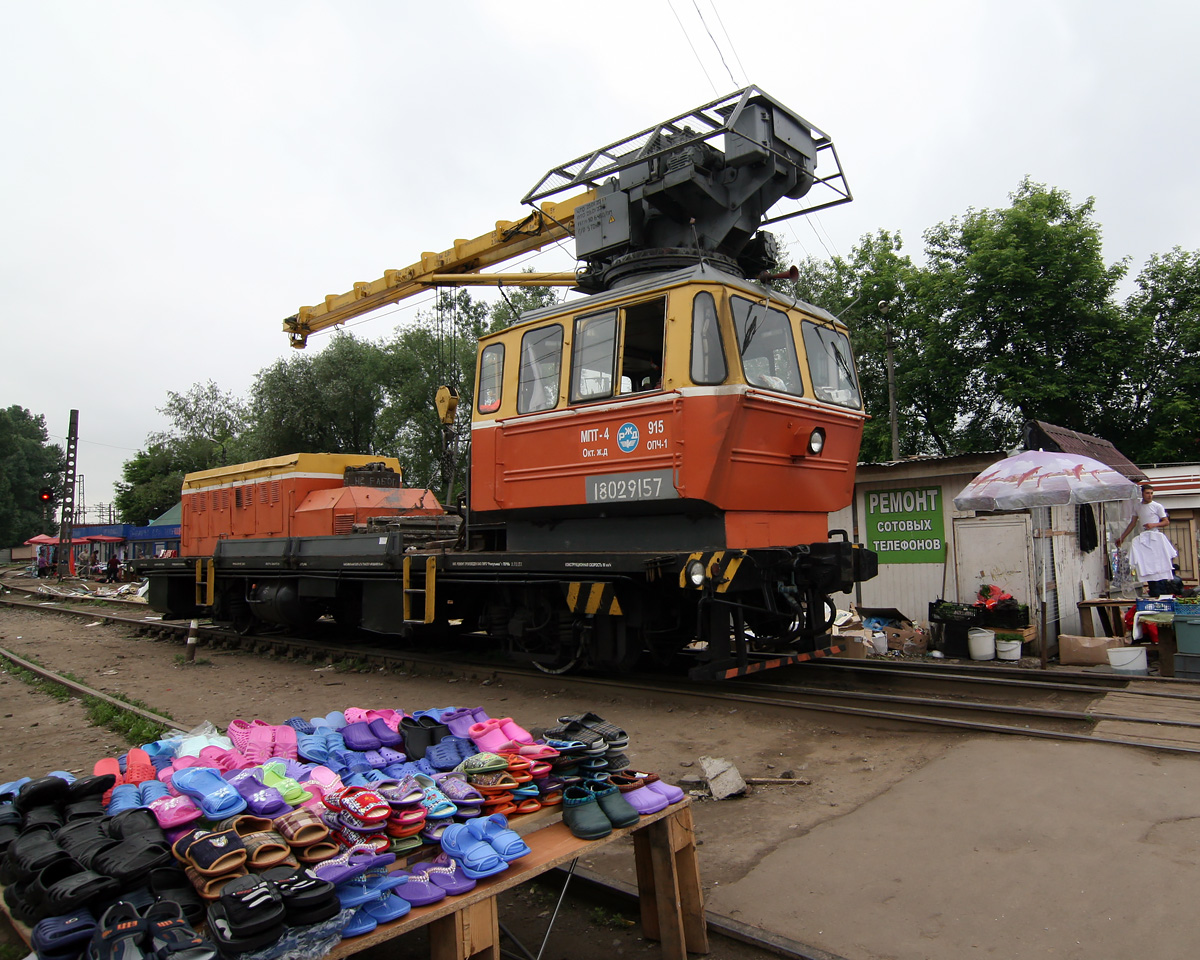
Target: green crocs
[
  {"x": 620, "y": 812},
  {"x": 582, "y": 814}
]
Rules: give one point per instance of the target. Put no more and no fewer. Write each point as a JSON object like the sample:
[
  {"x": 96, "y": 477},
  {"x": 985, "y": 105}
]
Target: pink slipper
[
  {"x": 355, "y": 715},
  {"x": 174, "y": 811},
  {"x": 514, "y": 731},
  {"x": 488, "y": 736},
  {"x": 391, "y": 717},
  {"x": 239, "y": 732},
  {"x": 285, "y": 742},
  {"x": 261, "y": 746}
]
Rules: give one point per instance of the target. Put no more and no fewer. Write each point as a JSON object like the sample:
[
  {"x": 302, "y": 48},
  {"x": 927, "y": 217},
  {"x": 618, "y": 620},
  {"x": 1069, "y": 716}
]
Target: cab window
[
  {"x": 642, "y": 346},
  {"x": 593, "y": 357},
  {"x": 765, "y": 344},
  {"x": 831, "y": 365},
  {"x": 491, "y": 377},
  {"x": 708, "y": 353},
  {"x": 541, "y": 364}
]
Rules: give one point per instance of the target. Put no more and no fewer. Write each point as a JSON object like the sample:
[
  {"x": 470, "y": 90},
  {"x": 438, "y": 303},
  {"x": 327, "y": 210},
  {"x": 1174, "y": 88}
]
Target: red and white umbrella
[{"x": 1040, "y": 478}]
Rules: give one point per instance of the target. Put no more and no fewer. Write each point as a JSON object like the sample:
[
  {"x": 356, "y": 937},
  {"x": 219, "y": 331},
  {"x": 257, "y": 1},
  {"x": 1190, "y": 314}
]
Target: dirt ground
[{"x": 906, "y": 844}]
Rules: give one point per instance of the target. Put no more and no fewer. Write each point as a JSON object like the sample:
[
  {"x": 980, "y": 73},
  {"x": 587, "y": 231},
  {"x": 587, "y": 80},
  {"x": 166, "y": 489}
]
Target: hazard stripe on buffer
[{"x": 592, "y": 598}]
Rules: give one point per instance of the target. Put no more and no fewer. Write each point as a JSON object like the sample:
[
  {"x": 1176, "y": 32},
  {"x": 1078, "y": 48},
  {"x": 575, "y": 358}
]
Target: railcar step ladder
[{"x": 427, "y": 590}]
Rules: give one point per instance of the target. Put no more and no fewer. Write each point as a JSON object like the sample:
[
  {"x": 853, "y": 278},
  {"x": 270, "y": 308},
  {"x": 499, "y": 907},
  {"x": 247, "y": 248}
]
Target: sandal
[
  {"x": 172, "y": 936},
  {"x": 120, "y": 934}
]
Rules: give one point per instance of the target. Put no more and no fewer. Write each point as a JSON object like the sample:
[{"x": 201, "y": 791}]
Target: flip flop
[
  {"x": 420, "y": 891},
  {"x": 350, "y": 864},
  {"x": 447, "y": 873},
  {"x": 361, "y": 923},
  {"x": 387, "y": 907}
]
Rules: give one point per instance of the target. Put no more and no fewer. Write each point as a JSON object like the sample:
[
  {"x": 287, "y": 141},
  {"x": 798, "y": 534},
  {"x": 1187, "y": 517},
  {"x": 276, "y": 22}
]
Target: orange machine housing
[{"x": 301, "y": 494}]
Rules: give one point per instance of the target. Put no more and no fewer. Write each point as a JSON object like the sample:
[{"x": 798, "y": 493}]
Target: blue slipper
[
  {"x": 477, "y": 858},
  {"x": 215, "y": 797},
  {"x": 125, "y": 796},
  {"x": 300, "y": 725},
  {"x": 362, "y": 922},
  {"x": 388, "y": 907},
  {"x": 495, "y": 832}
]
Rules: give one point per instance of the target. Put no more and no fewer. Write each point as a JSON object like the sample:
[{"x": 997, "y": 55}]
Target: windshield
[
  {"x": 831, "y": 365},
  {"x": 764, "y": 341}
]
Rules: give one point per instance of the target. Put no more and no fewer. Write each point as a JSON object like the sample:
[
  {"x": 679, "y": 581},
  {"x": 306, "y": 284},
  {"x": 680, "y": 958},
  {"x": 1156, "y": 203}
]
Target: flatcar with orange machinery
[{"x": 650, "y": 467}]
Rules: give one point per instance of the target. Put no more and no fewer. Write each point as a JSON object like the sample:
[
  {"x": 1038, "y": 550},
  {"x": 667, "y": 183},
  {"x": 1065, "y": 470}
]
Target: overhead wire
[
  {"x": 732, "y": 48},
  {"x": 720, "y": 54},
  {"x": 695, "y": 54}
]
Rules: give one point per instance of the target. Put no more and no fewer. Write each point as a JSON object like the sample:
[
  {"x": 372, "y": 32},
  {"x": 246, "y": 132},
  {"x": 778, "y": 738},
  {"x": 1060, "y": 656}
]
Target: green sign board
[{"x": 906, "y": 526}]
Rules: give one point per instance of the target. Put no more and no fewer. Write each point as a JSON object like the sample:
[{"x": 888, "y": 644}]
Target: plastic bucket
[
  {"x": 879, "y": 642},
  {"x": 981, "y": 644},
  {"x": 1128, "y": 659},
  {"x": 1008, "y": 649}
]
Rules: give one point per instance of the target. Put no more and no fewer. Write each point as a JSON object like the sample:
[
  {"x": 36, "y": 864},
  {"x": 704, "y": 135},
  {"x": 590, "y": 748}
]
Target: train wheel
[
  {"x": 610, "y": 644},
  {"x": 540, "y": 630}
]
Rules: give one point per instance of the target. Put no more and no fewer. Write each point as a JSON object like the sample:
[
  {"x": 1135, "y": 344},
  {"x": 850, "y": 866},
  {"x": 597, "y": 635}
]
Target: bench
[{"x": 467, "y": 927}]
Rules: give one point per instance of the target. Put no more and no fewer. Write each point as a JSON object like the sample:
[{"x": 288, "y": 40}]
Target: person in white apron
[{"x": 1151, "y": 553}]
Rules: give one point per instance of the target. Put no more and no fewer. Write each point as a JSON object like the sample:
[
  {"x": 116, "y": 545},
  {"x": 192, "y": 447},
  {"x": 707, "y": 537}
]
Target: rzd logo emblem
[{"x": 627, "y": 437}]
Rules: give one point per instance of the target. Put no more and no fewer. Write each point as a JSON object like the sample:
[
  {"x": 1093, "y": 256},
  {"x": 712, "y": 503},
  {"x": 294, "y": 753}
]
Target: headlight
[
  {"x": 816, "y": 441},
  {"x": 695, "y": 573}
]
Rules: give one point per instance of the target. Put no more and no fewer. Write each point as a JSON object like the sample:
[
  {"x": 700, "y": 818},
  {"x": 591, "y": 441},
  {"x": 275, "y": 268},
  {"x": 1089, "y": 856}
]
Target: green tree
[
  {"x": 439, "y": 349},
  {"x": 326, "y": 402},
  {"x": 208, "y": 427},
  {"x": 1025, "y": 298},
  {"x": 877, "y": 292},
  {"x": 28, "y": 462},
  {"x": 205, "y": 412},
  {"x": 1163, "y": 364},
  {"x": 153, "y": 478}
]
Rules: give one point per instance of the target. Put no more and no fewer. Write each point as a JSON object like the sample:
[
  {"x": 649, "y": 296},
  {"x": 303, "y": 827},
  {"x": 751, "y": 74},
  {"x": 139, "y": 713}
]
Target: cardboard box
[
  {"x": 856, "y": 648},
  {"x": 898, "y": 636},
  {"x": 1085, "y": 651}
]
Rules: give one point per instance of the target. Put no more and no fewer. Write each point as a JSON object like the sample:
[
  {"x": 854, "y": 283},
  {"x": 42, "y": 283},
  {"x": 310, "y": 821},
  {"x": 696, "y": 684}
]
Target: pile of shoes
[
  {"x": 365, "y": 889},
  {"x": 69, "y": 855},
  {"x": 159, "y": 929},
  {"x": 274, "y": 913}
]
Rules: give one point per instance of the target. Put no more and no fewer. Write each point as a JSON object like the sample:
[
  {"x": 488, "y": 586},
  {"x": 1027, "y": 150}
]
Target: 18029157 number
[{"x": 621, "y": 487}]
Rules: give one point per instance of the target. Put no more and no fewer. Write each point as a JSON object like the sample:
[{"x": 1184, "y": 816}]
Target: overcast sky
[{"x": 177, "y": 178}]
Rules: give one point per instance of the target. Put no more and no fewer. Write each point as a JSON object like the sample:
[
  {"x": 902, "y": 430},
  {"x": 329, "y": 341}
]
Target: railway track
[{"x": 1149, "y": 713}]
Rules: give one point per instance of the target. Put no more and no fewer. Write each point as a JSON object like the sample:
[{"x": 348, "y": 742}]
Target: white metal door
[{"x": 994, "y": 550}]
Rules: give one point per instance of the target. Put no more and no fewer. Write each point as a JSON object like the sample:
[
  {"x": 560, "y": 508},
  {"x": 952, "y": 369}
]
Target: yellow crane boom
[{"x": 461, "y": 264}]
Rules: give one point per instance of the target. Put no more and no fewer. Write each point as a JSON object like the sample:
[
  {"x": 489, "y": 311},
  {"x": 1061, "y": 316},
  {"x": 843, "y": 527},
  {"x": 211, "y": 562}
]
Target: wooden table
[
  {"x": 467, "y": 927},
  {"x": 1110, "y": 612}
]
